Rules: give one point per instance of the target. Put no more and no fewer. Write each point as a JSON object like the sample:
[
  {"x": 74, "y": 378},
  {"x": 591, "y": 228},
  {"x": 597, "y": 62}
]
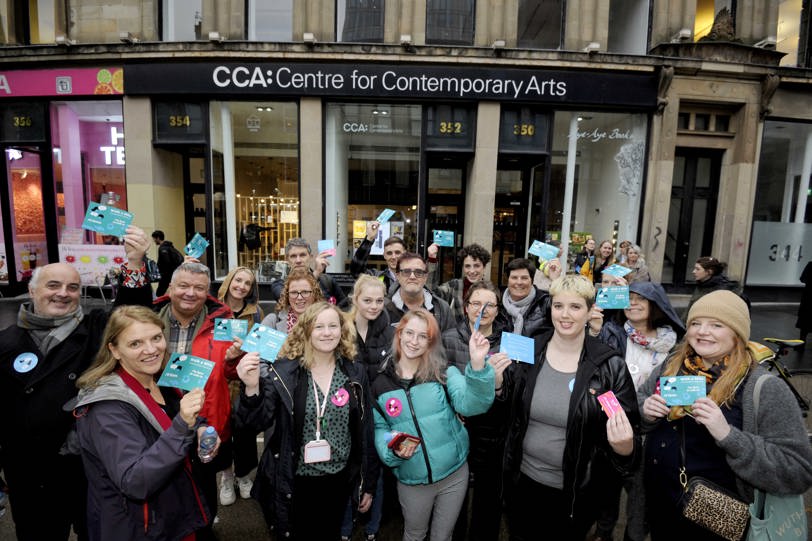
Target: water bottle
[{"x": 207, "y": 443}]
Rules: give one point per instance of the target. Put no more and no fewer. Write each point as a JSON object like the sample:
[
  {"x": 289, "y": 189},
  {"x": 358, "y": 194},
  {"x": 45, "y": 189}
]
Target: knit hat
[{"x": 724, "y": 306}]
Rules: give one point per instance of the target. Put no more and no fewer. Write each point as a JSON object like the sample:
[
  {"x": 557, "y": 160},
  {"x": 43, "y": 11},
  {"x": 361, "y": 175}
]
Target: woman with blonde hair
[
  {"x": 419, "y": 394},
  {"x": 301, "y": 290},
  {"x": 321, "y": 451},
  {"x": 604, "y": 256},
  {"x": 636, "y": 262},
  {"x": 240, "y": 292},
  {"x": 719, "y": 436},
  {"x": 136, "y": 437}
]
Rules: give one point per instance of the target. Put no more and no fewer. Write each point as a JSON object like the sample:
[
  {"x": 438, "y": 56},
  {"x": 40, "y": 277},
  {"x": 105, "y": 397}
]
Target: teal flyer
[
  {"x": 444, "y": 238},
  {"x": 682, "y": 390},
  {"x": 543, "y": 250},
  {"x": 197, "y": 246},
  {"x": 226, "y": 330},
  {"x": 518, "y": 347},
  {"x": 186, "y": 372},
  {"x": 613, "y": 297},
  {"x": 107, "y": 220}
]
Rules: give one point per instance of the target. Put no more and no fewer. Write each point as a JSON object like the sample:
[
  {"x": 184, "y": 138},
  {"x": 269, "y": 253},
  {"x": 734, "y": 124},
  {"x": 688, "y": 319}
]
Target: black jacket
[
  {"x": 536, "y": 318},
  {"x": 378, "y": 345},
  {"x": 599, "y": 370},
  {"x": 169, "y": 259},
  {"x": 358, "y": 265},
  {"x": 282, "y": 398}
]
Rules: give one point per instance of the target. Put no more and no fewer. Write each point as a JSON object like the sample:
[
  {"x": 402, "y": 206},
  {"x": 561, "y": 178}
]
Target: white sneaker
[
  {"x": 227, "y": 495},
  {"x": 245, "y": 484}
]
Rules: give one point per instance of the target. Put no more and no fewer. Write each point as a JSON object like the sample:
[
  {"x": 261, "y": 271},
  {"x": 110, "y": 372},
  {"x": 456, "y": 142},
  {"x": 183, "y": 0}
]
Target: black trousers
[
  {"x": 318, "y": 505},
  {"x": 536, "y": 511}
]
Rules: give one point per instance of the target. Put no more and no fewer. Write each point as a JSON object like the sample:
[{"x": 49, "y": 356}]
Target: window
[
  {"x": 359, "y": 21},
  {"x": 182, "y": 20},
  {"x": 263, "y": 178},
  {"x": 270, "y": 21},
  {"x": 450, "y": 22},
  {"x": 31, "y": 21},
  {"x": 540, "y": 24},
  {"x": 628, "y": 26}
]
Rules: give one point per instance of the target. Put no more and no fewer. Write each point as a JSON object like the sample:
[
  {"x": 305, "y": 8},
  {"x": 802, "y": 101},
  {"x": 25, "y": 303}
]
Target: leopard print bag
[{"x": 708, "y": 505}]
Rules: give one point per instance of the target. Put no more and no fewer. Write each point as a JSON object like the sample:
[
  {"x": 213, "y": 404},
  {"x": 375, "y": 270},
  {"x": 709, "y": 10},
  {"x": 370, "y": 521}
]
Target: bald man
[{"x": 41, "y": 356}]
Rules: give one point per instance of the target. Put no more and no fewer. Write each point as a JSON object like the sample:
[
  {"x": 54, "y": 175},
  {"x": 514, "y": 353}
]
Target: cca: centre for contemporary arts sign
[{"x": 593, "y": 87}]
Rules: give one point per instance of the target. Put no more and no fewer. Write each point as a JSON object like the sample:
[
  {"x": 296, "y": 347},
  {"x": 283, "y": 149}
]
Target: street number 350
[{"x": 786, "y": 252}]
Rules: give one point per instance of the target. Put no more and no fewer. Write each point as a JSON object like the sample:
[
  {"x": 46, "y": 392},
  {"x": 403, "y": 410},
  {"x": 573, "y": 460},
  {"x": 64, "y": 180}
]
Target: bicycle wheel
[{"x": 801, "y": 380}]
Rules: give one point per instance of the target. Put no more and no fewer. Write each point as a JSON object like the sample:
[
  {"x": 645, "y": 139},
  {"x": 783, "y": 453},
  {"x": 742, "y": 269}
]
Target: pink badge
[
  {"x": 393, "y": 407},
  {"x": 340, "y": 397}
]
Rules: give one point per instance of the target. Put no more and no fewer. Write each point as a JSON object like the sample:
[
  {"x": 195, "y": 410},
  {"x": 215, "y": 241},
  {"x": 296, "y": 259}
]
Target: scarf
[
  {"x": 292, "y": 319},
  {"x": 517, "y": 309},
  {"x": 48, "y": 332},
  {"x": 693, "y": 366},
  {"x": 644, "y": 354}
]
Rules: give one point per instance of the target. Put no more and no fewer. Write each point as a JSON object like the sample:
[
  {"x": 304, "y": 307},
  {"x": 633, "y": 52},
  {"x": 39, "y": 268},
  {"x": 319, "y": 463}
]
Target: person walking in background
[
  {"x": 473, "y": 259},
  {"x": 707, "y": 272},
  {"x": 719, "y": 437},
  {"x": 419, "y": 394},
  {"x": 321, "y": 449},
  {"x": 169, "y": 259},
  {"x": 301, "y": 289},
  {"x": 136, "y": 438},
  {"x": 804, "y": 321},
  {"x": 558, "y": 426},
  {"x": 486, "y": 432}
]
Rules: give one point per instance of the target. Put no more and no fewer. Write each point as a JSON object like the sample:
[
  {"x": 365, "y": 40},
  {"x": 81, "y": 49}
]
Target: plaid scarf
[{"x": 693, "y": 366}]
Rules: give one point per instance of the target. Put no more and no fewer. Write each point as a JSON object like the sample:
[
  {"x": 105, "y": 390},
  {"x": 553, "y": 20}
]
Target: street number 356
[{"x": 786, "y": 252}]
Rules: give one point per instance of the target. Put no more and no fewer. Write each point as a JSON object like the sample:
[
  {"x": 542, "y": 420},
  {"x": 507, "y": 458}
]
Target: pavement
[{"x": 243, "y": 520}]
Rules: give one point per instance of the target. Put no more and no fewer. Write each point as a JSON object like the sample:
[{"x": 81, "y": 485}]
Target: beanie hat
[{"x": 724, "y": 306}]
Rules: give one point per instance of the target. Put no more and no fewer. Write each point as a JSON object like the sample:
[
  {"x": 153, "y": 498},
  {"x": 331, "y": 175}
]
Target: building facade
[{"x": 683, "y": 126}]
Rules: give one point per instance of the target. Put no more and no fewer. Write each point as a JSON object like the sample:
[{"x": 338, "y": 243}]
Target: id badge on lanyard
[{"x": 317, "y": 450}]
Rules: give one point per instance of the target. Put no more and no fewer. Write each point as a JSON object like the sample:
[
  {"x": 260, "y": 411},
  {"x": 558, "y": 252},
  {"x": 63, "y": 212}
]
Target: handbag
[
  {"x": 774, "y": 517},
  {"x": 153, "y": 274},
  {"x": 710, "y": 506}
]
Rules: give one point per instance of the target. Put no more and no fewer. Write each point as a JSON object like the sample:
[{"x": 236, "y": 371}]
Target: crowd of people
[{"x": 403, "y": 391}]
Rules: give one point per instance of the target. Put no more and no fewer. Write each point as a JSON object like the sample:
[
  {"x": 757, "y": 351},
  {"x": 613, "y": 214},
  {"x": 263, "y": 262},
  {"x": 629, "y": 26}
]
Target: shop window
[
  {"x": 608, "y": 166},
  {"x": 782, "y": 211},
  {"x": 259, "y": 173},
  {"x": 372, "y": 162},
  {"x": 270, "y": 21},
  {"x": 359, "y": 21},
  {"x": 182, "y": 20},
  {"x": 31, "y": 21},
  {"x": 628, "y": 26},
  {"x": 450, "y": 22},
  {"x": 540, "y": 24}
]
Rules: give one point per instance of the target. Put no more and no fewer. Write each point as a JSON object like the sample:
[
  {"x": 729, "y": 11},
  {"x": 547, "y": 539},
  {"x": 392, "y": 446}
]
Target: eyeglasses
[
  {"x": 418, "y": 273},
  {"x": 410, "y": 335},
  {"x": 301, "y": 294},
  {"x": 476, "y": 305}
]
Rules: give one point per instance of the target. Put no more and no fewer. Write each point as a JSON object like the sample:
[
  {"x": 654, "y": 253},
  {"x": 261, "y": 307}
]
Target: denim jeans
[{"x": 374, "y": 522}]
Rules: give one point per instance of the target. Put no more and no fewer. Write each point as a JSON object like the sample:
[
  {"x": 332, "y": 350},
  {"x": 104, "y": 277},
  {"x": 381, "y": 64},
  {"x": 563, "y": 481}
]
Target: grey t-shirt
[{"x": 543, "y": 445}]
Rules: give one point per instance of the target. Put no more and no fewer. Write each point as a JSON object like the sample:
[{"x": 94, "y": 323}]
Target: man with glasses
[
  {"x": 298, "y": 254},
  {"x": 412, "y": 275},
  {"x": 393, "y": 248}
]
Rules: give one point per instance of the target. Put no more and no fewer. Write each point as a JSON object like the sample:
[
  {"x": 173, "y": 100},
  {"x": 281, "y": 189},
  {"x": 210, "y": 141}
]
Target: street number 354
[{"x": 786, "y": 252}]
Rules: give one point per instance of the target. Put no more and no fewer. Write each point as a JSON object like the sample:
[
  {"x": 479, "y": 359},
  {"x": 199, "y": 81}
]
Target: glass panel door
[{"x": 27, "y": 217}]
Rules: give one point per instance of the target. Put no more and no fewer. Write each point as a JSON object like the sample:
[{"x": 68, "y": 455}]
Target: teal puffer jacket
[{"x": 424, "y": 410}]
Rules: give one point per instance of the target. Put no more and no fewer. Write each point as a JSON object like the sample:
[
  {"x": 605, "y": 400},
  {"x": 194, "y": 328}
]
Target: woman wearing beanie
[{"x": 719, "y": 431}]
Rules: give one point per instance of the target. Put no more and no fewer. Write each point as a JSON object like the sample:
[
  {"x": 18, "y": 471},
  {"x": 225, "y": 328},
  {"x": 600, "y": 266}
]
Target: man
[
  {"x": 189, "y": 312},
  {"x": 169, "y": 259},
  {"x": 41, "y": 356},
  {"x": 298, "y": 255},
  {"x": 412, "y": 293},
  {"x": 393, "y": 248},
  {"x": 474, "y": 258}
]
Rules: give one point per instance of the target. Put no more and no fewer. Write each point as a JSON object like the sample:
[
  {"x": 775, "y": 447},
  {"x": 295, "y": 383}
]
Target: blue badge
[
  {"x": 571, "y": 384},
  {"x": 25, "y": 362}
]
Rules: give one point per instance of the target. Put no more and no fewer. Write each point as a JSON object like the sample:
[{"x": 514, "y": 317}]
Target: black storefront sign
[
  {"x": 179, "y": 122},
  {"x": 450, "y": 127},
  {"x": 523, "y": 129},
  {"x": 22, "y": 122},
  {"x": 630, "y": 90}
]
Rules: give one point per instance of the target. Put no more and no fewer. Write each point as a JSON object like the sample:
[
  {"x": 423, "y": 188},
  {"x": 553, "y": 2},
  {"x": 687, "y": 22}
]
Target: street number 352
[{"x": 786, "y": 252}]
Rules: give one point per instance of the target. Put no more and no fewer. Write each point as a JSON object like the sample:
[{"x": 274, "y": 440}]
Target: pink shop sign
[{"x": 61, "y": 82}]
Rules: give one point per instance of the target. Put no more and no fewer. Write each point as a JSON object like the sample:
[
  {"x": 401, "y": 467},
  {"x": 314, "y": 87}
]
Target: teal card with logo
[
  {"x": 612, "y": 297},
  {"x": 617, "y": 270},
  {"x": 107, "y": 220},
  {"x": 519, "y": 348},
  {"x": 385, "y": 216},
  {"x": 197, "y": 246},
  {"x": 187, "y": 372},
  {"x": 265, "y": 340},
  {"x": 444, "y": 238},
  {"x": 543, "y": 250},
  {"x": 226, "y": 330},
  {"x": 682, "y": 390}
]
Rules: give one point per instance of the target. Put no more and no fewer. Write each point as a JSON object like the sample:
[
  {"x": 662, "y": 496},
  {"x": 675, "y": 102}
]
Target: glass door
[{"x": 445, "y": 205}]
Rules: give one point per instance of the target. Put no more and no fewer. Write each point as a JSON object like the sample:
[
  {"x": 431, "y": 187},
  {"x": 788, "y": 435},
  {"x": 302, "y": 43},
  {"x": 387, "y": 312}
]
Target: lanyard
[{"x": 319, "y": 410}]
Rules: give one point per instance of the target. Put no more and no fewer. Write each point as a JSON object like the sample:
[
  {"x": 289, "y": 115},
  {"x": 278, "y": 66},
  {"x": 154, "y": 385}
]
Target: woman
[
  {"x": 707, "y": 272},
  {"x": 644, "y": 334},
  {"x": 300, "y": 291},
  {"x": 587, "y": 254},
  {"x": 135, "y": 437},
  {"x": 526, "y": 306},
  {"x": 549, "y": 269},
  {"x": 718, "y": 431},
  {"x": 623, "y": 252},
  {"x": 240, "y": 292},
  {"x": 373, "y": 341},
  {"x": 636, "y": 262},
  {"x": 486, "y": 432},
  {"x": 416, "y": 394},
  {"x": 605, "y": 256},
  {"x": 558, "y": 426},
  {"x": 321, "y": 451}
]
